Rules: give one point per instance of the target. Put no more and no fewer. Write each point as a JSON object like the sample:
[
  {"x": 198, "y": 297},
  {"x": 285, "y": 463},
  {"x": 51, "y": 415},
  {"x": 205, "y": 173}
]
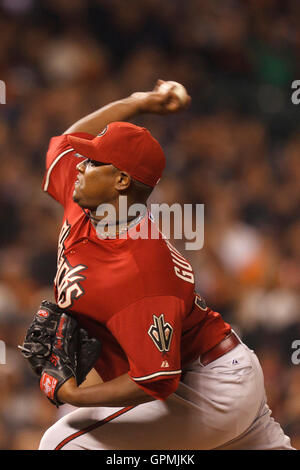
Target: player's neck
[{"x": 113, "y": 226}]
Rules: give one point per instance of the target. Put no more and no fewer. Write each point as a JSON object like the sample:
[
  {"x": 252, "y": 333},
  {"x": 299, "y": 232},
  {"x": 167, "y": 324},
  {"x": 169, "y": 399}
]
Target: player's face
[{"x": 94, "y": 184}]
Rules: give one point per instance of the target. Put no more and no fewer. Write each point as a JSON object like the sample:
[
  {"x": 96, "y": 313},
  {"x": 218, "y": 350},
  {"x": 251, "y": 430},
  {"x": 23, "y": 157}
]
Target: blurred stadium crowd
[{"x": 236, "y": 150}]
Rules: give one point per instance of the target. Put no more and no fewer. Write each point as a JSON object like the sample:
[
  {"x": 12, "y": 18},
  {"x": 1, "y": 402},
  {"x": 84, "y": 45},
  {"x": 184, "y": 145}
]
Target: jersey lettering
[
  {"x": 67, "y": 276},
  {"x": 185, "y": 274}
]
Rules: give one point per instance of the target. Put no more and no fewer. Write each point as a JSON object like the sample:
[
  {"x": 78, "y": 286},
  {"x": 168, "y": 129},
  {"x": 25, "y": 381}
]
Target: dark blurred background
[{"x": 236, "y": 150}]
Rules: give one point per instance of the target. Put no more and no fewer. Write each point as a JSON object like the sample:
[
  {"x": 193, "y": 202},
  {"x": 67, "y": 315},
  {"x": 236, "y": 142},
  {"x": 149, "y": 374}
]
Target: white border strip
[
  {"x": 52, "y": 166},
  {"x": 157, "y": 374}
]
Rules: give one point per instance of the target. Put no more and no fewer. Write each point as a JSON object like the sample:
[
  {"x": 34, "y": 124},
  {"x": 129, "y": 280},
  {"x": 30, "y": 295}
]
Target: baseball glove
[
  {"x": 40, "y": 335},
  {"x": 57, "y": 349}
]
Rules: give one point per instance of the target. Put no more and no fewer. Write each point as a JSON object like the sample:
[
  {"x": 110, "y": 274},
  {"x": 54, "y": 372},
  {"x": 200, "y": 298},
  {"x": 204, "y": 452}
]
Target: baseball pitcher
[{"x": 173, "y": 373}]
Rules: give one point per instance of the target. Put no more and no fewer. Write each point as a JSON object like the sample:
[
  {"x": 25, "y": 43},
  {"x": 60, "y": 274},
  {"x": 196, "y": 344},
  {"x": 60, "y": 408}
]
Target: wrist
[
  {"x": 67, "y": 392},
  {"x": 138, "y": 101}
]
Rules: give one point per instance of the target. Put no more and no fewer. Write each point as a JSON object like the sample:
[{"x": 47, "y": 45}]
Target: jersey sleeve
[
  {"x": 149, "y": 332},
  {"x": 61, "y": 170}
]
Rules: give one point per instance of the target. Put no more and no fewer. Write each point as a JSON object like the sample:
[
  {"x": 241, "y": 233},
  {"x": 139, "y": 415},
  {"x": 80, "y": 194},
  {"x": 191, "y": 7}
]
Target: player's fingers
[
  {"x": 166, "y": 96},
  {"x": 158, "y": 83},
  {"x": 171, "y": 99},
  {"x": 173, "y": 102}
]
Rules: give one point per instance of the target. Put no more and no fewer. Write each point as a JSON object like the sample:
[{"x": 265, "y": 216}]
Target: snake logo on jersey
[
  {"x": 68, "y": 277},
  {"x": 161, "y": 333}
]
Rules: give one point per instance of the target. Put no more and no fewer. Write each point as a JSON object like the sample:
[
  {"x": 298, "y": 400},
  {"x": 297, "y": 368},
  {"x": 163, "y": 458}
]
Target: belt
[{"x": 226, "y": 345}]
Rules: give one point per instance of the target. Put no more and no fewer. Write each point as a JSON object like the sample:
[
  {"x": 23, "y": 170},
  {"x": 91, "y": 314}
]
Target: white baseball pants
[{"x": 219, "y": 406}]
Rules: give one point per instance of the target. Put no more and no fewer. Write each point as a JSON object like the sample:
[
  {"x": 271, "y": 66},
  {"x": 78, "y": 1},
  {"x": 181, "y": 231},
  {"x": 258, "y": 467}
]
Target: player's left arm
[
  {"x": 149, "y": 332},
  {"x": 119, "y": 392}
]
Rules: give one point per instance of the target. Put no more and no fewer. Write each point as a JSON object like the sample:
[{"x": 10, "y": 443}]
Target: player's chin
[
  {"x": 78, "y": 198},
  {"x": 82, "y": 201}
]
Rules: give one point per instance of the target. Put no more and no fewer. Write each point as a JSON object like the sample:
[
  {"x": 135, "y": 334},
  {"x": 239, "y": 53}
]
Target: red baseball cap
[{"x": 128, "y": 147}]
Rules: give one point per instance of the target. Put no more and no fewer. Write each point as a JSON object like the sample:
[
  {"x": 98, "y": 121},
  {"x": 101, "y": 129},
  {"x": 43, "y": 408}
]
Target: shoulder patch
[{"x": 161, "y": 333}]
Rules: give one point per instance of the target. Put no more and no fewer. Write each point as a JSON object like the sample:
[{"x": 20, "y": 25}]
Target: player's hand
[{"x": 160, "y": 102}]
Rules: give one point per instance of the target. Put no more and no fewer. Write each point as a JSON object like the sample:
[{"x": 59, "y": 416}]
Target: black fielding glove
[
  {"x": 40, "y": 335},
  {"x": 63, "y": 361},
  {"x": 89, "y": 352},
  {"x": 57, "y": 349},
  {"x": 74, "y": 354}
]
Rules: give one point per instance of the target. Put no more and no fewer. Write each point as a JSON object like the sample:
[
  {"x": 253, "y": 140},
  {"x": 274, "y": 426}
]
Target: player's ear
[{"x": 122, "y": 180}]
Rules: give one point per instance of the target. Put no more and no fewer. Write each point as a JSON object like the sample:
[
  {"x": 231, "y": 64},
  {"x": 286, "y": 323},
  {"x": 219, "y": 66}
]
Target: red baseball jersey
[{"x": 136, "y": 295}]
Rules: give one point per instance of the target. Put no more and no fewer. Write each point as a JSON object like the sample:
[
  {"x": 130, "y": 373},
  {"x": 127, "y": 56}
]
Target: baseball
[{"x": 178, "y": 89}]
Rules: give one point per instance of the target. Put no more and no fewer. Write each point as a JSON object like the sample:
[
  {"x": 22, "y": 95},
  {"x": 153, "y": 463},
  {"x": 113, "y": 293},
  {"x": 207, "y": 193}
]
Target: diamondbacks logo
[
  {"x": 67, "y": 277},
  {"x": 161, "y": 333}
]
